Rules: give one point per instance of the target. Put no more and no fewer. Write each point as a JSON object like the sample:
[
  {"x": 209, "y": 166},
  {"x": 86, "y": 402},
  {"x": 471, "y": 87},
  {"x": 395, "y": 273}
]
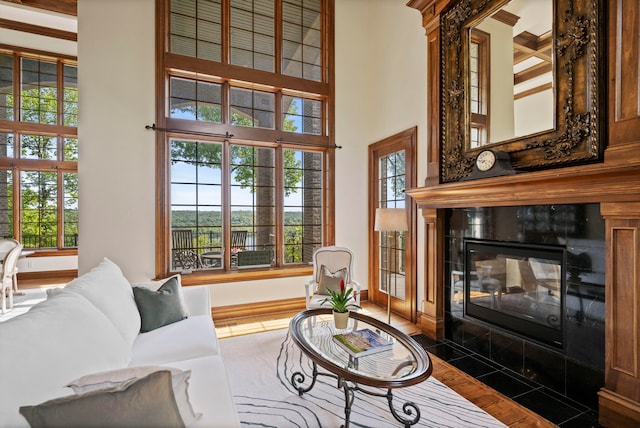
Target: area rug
[{"x": 260, "y": 367}]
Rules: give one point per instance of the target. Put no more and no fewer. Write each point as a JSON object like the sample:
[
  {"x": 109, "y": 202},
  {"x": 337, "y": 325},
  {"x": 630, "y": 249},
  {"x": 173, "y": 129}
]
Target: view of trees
[
  {"x": 39, "y": 188},
  {"x": 247, "y": 163}
]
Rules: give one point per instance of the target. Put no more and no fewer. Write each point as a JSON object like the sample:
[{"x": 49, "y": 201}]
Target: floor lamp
[{"x": 390, "y": 220}]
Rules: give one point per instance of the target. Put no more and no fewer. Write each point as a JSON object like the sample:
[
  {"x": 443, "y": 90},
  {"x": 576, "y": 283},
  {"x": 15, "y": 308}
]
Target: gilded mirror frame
[{"x": 578, "y": 69}]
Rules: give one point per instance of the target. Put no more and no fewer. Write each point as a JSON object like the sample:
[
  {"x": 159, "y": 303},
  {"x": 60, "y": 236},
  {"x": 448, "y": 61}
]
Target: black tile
[
  {"x": 505, "y": 384},
  {"x": 583, "y": 383},
  {"x": 446, "y": 352},
  {"x": 472, "y": 366},
  {"x": 547, "y": 406},
  {"x": 584, "y": 420},
  {"x": 545, "y": 366},
  {"x": 507, "y": 351},
  {"x": 424, "y": 340},
  {"x": 477, "y": 339}
]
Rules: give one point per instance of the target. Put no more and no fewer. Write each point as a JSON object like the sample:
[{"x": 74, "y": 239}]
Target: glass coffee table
[{"x": 404, "y": 364}]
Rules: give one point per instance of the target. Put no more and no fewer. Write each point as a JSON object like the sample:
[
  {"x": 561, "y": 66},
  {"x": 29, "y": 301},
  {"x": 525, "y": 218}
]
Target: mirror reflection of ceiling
[{"x": 532, "y": 44}]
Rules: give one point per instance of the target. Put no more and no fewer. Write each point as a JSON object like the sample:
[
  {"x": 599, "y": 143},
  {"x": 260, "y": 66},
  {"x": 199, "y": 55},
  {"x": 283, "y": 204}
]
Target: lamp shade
[{"x": 391, "y": 220}]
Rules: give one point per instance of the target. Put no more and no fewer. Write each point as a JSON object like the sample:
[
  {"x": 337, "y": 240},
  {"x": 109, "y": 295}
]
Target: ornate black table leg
[
  {"x": 409, "y": 409},
  {"x": 349, "y": 395},
  {"x": 298, "y": 378}
]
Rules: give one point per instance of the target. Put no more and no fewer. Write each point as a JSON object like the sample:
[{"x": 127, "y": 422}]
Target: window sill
[{"x": 210, "y": 277}]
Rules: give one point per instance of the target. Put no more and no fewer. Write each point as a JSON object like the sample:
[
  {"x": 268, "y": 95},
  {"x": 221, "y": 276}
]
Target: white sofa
[{"x": 92, "y": 325}]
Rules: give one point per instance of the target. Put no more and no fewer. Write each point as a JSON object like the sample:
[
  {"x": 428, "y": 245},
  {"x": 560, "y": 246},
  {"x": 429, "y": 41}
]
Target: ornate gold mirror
[{"x": 523, "y": 77}]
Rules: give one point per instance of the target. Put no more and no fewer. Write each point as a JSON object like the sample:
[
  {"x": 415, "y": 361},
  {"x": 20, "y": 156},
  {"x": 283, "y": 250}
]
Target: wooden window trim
[
  {"x": 169, "y": 62},
  {"x": 58, "y": 130}
]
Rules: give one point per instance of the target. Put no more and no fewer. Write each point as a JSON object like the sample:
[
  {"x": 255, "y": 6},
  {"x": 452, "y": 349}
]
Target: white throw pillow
[
  {"x": 60, "y": 338},
  {"x": 117, "y": 378},
  {"x": 106, "y": 287}
]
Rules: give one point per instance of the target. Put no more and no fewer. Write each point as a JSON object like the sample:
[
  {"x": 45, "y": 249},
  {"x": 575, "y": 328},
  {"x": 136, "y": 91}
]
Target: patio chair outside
[{"x": 184, "y": 251}]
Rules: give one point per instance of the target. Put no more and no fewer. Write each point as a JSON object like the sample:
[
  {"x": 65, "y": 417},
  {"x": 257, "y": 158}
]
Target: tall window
[
  {"x": 479, "y": 85},
  {"x": 38, "y": 150},
  {"x": 245, "y": 134}
]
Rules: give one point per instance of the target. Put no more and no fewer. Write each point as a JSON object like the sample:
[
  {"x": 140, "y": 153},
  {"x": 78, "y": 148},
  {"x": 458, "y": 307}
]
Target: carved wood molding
[{"x": 578, "y": 80}]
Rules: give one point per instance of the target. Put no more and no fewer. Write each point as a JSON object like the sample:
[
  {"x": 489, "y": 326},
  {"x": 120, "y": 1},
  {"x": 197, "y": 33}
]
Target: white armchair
[
  {"x": 330, "y": 265},
  {"x": 12, "y": 249}
]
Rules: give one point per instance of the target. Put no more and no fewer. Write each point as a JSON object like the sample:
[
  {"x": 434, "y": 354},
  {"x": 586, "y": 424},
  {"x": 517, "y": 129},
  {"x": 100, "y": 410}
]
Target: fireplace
[
  {"x": 516, "y": 287},
  {"x": 560, "y": 344}
]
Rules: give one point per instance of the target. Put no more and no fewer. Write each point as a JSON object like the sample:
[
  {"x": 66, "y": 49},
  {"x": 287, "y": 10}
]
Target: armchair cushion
[{"x": 330, "y": 280}]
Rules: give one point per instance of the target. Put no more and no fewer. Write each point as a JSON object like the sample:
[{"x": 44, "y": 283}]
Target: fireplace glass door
[{"x": 516, "y": 287}]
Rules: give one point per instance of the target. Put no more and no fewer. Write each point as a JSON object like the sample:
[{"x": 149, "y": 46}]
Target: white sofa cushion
[
  {"x": 210, "y": 392},
  {"x": 106, "y": 287},
  {"x": 192, "y": 337},
  {"x": 58, "y": 340}
]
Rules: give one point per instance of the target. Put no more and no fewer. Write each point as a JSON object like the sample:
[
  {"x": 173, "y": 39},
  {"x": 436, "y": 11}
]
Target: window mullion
[
  {"x": 17, "y": 96},
  {"x": 226, "y": 204},
  {"x": 226, "y": 31},
  {"x": 279, "y": 196},
  {"x": 60, "y": 99},
  {"x": 17, "y": 204},
  {"x": 278, "y": 38},
  {"x": 60, "y": 209}
]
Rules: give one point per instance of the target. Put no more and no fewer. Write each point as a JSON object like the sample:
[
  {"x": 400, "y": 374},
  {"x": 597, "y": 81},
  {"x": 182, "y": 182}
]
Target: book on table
[{"x": 362, "y": 342}]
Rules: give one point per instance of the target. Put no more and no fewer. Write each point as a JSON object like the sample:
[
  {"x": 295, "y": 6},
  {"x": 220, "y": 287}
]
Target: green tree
[{"x": 39, "y": 190}]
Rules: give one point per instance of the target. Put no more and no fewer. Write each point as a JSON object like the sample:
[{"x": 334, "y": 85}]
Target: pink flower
[{"x": 342, "y": 285}]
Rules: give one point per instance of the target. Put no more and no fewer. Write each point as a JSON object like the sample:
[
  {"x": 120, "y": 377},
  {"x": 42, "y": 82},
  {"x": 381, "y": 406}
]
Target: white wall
[
  {"x": 116, "y": 68},
  {"x": 380, "y": 90},
  {"x": 396, "y": 96}
]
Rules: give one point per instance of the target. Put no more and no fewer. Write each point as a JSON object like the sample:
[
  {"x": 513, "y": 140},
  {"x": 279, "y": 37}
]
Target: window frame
[
  {"x": 18, "y": 128},
  {"x": 175, "y": 65},
  {"x": 480, "y": 119}
]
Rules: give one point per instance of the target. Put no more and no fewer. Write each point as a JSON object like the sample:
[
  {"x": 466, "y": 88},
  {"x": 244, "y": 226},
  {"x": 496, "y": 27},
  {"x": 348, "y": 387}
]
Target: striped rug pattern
[{"x": 260, "y": 367}]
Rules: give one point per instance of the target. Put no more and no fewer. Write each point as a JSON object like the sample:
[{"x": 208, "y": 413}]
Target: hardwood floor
[{"x": 505, "y": 410}]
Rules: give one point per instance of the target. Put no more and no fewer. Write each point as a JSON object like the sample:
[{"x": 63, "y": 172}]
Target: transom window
[
  {"x": 38, "y": 150},
  {"x": 245, "y": 134}
]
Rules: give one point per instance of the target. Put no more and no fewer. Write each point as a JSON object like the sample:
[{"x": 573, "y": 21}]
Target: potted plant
[{"x": 340, "y": 303}]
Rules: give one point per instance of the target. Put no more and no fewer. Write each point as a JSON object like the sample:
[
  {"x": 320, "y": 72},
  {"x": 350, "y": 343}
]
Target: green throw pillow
[
  {"x": 161, "y": 307},
  {"x": 146, "y": 402}
]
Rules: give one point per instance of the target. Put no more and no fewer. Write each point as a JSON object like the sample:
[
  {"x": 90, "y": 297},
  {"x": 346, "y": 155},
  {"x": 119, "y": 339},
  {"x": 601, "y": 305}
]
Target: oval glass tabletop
[{"x": 401, "y": 362}]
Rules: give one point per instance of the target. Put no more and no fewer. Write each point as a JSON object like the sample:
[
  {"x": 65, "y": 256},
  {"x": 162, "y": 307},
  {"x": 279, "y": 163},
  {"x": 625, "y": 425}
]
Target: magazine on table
[{"x": 362, "y": 342}]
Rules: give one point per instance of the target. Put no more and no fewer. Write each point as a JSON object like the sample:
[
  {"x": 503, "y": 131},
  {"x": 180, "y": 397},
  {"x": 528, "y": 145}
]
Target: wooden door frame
[{"x": 407, "y": 141}]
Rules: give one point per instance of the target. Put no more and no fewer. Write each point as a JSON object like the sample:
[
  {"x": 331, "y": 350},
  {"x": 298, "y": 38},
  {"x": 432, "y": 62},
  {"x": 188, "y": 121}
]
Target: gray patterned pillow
[
  {"x": 330, "y": 280},
  {"x": 146, "y": 402}
]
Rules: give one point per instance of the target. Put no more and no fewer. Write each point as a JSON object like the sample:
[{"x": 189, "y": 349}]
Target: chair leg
[{"x": 4, "y": 300}]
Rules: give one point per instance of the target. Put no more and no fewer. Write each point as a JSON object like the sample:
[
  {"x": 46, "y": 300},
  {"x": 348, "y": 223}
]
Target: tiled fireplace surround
[{"x": 576, "y": 370}]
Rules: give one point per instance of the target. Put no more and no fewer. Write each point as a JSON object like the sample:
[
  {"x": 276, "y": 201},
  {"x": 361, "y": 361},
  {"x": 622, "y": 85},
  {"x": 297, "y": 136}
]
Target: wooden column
[
  {"x": 620, "y": 397},
  {"x": 432, "y": 319}
]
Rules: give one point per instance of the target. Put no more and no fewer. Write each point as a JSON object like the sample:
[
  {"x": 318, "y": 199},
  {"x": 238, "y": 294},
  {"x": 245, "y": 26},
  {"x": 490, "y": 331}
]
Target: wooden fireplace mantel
[
  {"x": 614, "y": 183},
  {"x": 598, "y": 183}
]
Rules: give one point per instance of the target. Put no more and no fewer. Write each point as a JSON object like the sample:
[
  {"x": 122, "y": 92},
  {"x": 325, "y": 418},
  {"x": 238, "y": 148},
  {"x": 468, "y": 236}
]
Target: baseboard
[
  {"x": 257, "y": 309},
  {"x": 264, "y": 308},
  {"x": 614, "y": 410},
  {"x": 49, "y": 274}
]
